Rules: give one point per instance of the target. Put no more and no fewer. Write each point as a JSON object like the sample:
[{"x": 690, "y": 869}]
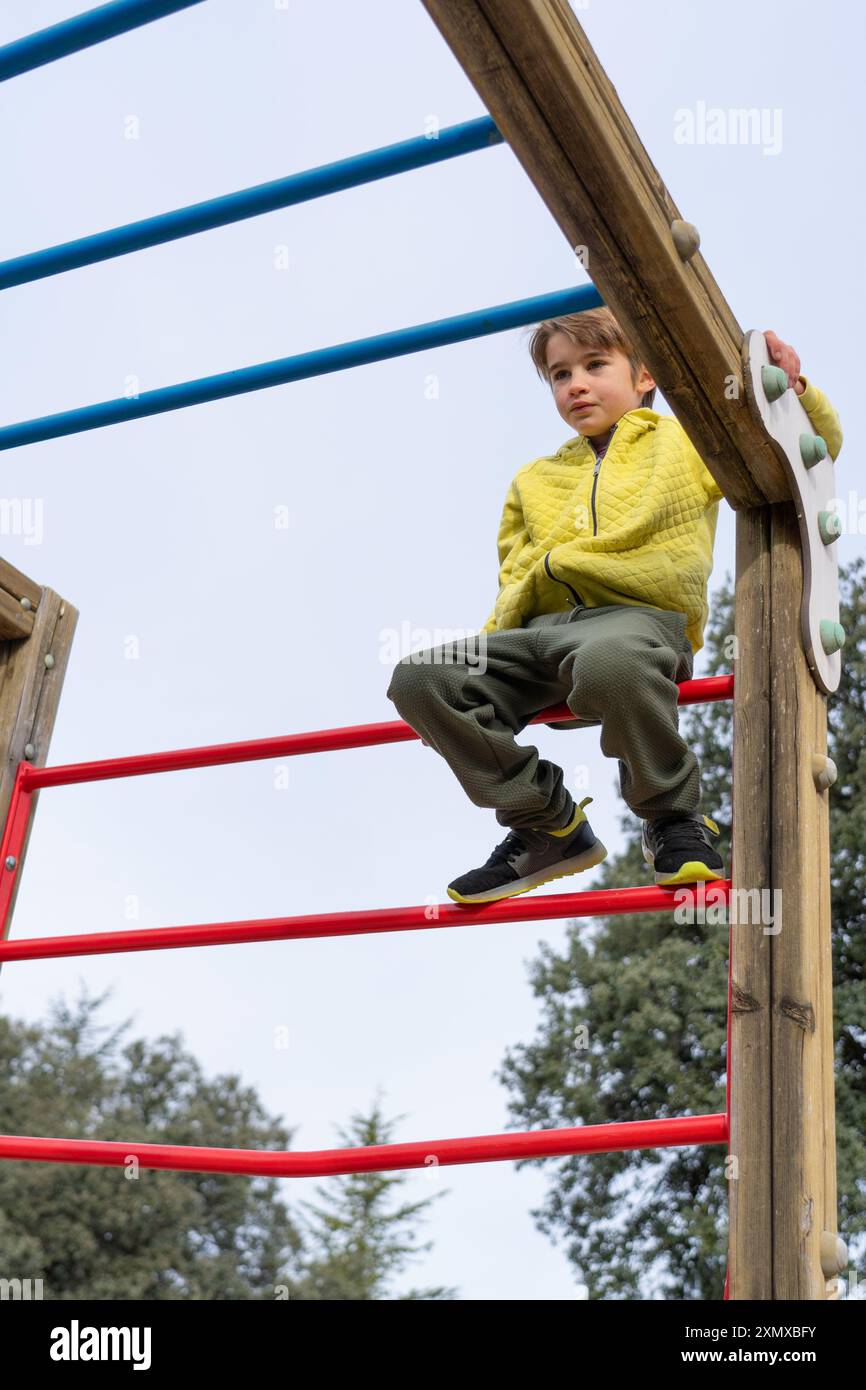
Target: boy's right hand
[{"x": 785, "y": 357}]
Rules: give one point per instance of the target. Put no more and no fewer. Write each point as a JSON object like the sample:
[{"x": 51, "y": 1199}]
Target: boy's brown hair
[{"x": 592, "y": 328}]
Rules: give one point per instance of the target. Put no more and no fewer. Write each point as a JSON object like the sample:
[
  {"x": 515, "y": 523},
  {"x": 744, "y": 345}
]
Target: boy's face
[{"x": 597, "y": 378}]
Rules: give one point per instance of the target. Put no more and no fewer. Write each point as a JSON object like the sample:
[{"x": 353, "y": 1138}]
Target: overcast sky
[{"x": 203, "y": 621}]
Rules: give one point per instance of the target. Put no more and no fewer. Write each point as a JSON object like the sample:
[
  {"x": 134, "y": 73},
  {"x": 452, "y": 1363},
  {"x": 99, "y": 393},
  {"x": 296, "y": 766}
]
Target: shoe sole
[
  {"x": 694, "y": 871},
  {"x": 590, "y": 857}
]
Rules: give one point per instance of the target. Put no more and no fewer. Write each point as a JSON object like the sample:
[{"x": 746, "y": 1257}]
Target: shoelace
[
  {"x": 681, "y": 834},
  {"x": 513, "y": 844}
]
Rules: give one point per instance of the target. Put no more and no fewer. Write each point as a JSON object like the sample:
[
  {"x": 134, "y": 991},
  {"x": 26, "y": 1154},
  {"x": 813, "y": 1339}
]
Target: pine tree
[
  {"x": 633, "y": 1025},
  {"x": 359, "y": 1243}
]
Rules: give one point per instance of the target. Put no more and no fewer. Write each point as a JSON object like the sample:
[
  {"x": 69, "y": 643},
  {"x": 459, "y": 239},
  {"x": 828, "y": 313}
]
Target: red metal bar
[
  {"x": 691, "y": 692},
  {"x": 12, "y": 844},
  {"x": 376, "y": 1158},
  {"x": 593, "y": 903}
]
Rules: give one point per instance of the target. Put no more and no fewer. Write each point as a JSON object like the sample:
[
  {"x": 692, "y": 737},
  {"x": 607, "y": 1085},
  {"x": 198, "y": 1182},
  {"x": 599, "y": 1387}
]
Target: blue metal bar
[
  {"x": 83, "y": 31},
  {"x": 323, "y": 360},
  {"x": 252, "y": 202}
]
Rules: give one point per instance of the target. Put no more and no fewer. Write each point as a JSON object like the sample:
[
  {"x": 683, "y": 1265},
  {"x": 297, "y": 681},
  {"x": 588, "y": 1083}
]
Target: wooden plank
[
  {"x": 803, "y": 1141},
  {"x": 540, "y": 79},
  {"x": 15, "y": 621},
  {"x": 19, "y": 585},
  {"x": 782, "y": 1082},
  {"x": 29, "y": 697},
  {"x": 750, "y": 1189}
]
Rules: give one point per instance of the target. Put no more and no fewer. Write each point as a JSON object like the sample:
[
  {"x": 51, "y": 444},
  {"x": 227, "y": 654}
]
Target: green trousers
[{"x": 615, "y": 666}]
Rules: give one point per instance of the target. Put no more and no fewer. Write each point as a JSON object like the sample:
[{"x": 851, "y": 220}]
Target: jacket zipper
[
  {"x": 577, "y": 598},
  {"x": 595, "y": 473}
]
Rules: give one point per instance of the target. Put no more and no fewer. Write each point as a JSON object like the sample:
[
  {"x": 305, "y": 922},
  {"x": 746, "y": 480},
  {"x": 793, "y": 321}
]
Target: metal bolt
[
  {"x": 824, "y": 771},
  {"x": 49, "y": 659},
  {"x": 834, "y": 1254},
  {"x": 25, "y": 603},
  {"x": 11, "y": 861},
  {"x": 29, "y": 751},
  {"x": 686, "y": 238}
]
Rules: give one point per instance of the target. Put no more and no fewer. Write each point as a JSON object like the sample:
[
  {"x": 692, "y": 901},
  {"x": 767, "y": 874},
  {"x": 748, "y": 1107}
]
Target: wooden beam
[
  {"x": 19, "y": 596},
  {"x": 536, "y": 72},
  {"x": 30, "y": 693},
  {"x": 783, "y": 1190}
]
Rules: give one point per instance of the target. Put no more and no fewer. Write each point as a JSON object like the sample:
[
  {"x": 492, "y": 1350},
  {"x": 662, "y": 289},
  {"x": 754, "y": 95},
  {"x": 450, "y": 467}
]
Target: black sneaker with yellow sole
[
  {"x": 680, "y": 850},
  {"x": 527, "y": 858}
]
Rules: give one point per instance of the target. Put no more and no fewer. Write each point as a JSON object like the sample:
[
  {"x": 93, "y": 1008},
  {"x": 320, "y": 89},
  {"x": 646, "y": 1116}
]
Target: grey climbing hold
[
  {"x": 775, "y": 382},
  {"x": 813, "y": 448}
]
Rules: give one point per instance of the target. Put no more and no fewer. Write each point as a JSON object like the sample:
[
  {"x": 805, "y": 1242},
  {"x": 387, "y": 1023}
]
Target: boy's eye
[{"x": 596, "y": 362}]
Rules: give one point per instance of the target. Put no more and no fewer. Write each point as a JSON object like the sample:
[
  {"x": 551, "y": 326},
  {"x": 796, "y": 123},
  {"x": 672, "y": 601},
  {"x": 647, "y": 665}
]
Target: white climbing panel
[{"x": 813, "y": 486}]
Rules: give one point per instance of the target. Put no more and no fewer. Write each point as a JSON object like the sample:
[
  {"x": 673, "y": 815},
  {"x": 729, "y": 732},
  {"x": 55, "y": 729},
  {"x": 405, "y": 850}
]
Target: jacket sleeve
[
  {"x": 513, "y": 535},
  {"x": 821, "y": 414}
]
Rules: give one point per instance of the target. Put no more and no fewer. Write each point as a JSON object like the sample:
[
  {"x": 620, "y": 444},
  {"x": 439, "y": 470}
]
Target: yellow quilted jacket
[{"x": 637, "y": 527}]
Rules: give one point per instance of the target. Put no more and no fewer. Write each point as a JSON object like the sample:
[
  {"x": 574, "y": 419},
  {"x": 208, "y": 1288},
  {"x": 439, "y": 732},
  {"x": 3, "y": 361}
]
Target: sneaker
[
  {"x": 529, "y": 857},
  {"x": 679, "y": 848}
]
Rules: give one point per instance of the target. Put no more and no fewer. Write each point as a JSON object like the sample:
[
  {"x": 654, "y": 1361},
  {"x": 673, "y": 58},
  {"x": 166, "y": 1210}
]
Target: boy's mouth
[{"x": 582, "y": 409}]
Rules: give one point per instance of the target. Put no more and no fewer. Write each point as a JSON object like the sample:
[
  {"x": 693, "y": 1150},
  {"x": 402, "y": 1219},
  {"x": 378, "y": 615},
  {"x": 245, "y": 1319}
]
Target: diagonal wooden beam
[
  {"x": 32, "y": 669},
  {"x": 538, "y": 75}
]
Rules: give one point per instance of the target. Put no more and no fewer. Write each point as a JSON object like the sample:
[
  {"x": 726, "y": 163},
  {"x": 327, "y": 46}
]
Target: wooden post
[
  {"x": 41, "y": 626},
  {"x": 783, "y": 1188}
]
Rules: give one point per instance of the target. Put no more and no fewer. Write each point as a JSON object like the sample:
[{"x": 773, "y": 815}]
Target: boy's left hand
[{"x": 785, "y": 357}]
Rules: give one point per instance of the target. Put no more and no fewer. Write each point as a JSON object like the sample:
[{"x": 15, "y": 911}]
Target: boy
[{"x": 605, "y": 550}]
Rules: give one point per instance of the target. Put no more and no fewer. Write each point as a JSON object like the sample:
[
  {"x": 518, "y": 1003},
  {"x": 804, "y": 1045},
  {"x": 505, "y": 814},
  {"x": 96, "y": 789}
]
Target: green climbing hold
[
  {"x": 813, "y": 448},
  {"x": 830, "y": 526},
  {"x": 774, "y": 381},
  {"x": 832, "y": 636}
]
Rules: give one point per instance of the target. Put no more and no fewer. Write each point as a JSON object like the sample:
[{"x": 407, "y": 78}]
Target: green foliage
[
  {"x": 361, "y": 1243},
  {"x": 95, "y": 1233},
  {"x": 633, "y": 1025}
]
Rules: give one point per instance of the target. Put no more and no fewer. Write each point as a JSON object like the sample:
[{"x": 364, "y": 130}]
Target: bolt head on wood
[
  {"x": 824, "y": 771},
  {"x": 686, "y": 238},
  {"x": 29, "y": 751},
  {"x": 25, "y": 602},
  {"x": 834, "y": 1254},
  {"x": 49, "y": 659}
]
